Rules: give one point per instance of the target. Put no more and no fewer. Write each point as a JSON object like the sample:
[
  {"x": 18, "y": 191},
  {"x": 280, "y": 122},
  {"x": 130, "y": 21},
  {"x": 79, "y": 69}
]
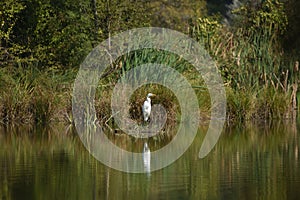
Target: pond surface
[{"x": 248, "y": 162}]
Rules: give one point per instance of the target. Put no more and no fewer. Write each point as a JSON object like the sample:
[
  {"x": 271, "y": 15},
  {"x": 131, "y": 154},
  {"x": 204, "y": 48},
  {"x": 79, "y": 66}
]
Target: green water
[{"x": 249, "y": 162}]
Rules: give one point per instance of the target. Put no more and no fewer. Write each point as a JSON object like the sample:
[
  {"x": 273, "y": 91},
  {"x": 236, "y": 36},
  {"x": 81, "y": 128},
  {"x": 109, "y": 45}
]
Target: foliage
[
  {"x": 8, "y": 18},
  {"x": 251, "y": 59},
  {"x": 271, "y": 15},
  {"x": 217, "y": 6},
  {"x": 115, "y": 16},
  {"x": 206, "y": 29},
  {"x": 177, "y": 14},
  {"x": 31, "y": 95},
  {"x": 8, "y": 11},
  {"x": 267, "y": 103},
  {"x": 42, "y": 40},
  {"x": 61, "y": 33},
  {"x": 291, "y": 40},
  {"x": 248, "y": 55}
]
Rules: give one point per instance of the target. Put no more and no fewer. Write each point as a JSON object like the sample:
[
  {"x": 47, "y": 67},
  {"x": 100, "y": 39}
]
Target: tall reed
[
  {"x": 30, "y": 95},
  {"x": 253, "y": 66}
]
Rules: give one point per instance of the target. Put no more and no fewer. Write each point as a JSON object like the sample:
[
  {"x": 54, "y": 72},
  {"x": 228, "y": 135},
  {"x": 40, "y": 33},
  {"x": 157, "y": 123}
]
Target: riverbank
[{"x": 29, "y": 95}]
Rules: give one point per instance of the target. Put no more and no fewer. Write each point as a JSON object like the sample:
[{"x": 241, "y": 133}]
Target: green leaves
[
  {"x": 269, "y": 15},
  {"x": 249, "y": 53},
  {"x": 61, "y": 33},
  {"x": 8, "y": 11}
]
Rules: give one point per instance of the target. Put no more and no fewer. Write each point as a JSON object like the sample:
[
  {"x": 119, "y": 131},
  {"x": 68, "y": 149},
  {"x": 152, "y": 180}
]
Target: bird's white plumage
[{"x": 146, "y": 108}]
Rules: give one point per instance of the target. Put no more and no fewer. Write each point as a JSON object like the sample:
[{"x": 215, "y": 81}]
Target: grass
[
  {"x": 258, "y": 82},
  {"x": 264, "y": 104},
  {"x": 29, "y": 95}
]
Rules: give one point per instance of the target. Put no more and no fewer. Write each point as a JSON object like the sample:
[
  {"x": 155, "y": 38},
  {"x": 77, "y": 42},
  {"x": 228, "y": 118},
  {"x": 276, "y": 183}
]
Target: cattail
[{"x": 296, "y": 66}]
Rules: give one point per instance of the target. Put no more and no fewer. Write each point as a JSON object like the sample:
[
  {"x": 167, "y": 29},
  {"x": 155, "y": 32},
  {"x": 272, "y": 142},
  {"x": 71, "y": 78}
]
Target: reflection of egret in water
[{"x": 146, "y": 157}]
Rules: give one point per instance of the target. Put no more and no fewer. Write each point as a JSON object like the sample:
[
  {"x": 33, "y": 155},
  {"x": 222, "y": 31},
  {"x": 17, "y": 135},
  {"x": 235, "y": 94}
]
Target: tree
[
  {"x": 45, "y": 32},
  {"x": 9, "y": 10},
  {"x": 117, "y": 15},
  {"x": 61, "y": 33},
  {"x": 177, "y": 15},
  {"x": 292, "y": 39}
]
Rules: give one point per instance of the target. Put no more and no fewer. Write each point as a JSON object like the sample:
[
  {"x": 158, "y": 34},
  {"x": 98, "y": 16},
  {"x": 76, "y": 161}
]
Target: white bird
[{"x": 146, "y": 108}]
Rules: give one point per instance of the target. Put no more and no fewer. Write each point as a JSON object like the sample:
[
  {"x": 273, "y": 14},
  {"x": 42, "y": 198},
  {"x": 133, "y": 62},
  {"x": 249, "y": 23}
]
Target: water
[{"x": 249, "y": 162}]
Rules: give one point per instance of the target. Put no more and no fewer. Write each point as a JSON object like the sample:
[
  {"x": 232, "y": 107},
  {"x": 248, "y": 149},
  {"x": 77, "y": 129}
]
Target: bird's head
[{"x": 150, "y": 95}]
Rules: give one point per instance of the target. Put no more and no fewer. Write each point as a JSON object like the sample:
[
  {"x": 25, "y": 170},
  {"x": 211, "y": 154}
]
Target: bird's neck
[{"x": 148, "y": 99}]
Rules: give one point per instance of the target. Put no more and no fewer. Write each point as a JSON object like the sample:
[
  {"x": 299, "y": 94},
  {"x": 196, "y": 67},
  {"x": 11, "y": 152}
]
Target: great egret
[{"x": 146, "y": 108}]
